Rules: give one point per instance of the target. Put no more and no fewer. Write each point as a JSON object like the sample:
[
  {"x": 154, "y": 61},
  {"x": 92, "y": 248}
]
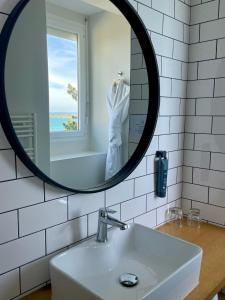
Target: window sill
[{"x": 76, "y": 155}]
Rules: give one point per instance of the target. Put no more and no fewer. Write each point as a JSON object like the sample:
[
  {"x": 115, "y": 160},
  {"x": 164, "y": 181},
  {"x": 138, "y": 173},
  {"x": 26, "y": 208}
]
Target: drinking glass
[
  {"x": 194, "y": 217},
  {"x": 176, "y": 215}
]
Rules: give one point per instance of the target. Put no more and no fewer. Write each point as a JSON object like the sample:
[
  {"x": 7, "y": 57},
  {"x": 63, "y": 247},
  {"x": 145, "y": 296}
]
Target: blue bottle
[{"x": 161, "y": 163}]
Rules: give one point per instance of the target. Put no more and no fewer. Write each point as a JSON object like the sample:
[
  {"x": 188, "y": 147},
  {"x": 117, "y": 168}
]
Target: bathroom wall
[
  {"x": 37, "y": 221},
  {"x": 109, "y": 53},
  {"x": 204, "y": 154},
  {"x": 139, "y": 96},
  {"x": 35, "y": 85}
]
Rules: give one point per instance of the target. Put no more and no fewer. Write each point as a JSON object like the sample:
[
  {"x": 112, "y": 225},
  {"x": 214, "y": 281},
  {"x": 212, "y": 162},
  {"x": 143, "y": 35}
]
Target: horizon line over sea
[{"x": 63, "y": 115}]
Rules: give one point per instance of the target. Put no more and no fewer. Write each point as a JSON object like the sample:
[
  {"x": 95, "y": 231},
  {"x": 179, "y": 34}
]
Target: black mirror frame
[{"x": 154, "y": 92}]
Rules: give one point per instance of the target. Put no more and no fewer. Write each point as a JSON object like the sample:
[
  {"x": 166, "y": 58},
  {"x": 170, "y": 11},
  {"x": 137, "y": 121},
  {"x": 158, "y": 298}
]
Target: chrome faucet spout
[
  {"x": 104, "y": 220},
  {"x": 116, "y": 223}
]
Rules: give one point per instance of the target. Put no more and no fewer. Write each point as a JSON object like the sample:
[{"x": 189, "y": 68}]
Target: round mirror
[{"x": 79, "y": 90}]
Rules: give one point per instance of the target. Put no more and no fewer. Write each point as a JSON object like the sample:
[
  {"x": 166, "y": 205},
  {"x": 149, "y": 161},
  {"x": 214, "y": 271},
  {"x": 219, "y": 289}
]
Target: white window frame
[{"x": 56, "y": 23}]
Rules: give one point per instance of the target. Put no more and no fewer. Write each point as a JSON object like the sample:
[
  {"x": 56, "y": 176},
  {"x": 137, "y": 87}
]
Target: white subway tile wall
[
  {"x": 204, "y": 166},
  {"x": 38, "y": 220},
  {"x": 10, "y": 284}
]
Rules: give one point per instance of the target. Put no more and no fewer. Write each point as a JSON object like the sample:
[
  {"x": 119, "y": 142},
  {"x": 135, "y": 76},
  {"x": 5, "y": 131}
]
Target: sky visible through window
[{"x": 62, "y": 71}]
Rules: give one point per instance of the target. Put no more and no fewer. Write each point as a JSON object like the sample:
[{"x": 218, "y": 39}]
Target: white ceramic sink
[{"x": 167, "y": 268}]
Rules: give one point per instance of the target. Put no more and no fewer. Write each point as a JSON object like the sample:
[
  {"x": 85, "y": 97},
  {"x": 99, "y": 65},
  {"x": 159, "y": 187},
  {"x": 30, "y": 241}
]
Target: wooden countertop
[
  {"x": 212, "y": 240},
  {"x": 212, "y": 278},
  {"x": 42, "y": 294}
]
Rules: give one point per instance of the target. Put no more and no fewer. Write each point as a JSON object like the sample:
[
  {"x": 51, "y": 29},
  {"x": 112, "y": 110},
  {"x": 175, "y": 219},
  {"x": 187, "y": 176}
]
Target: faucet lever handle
[
  {"x": 110, "y": 211},
  {"x": 103, "y": 212}
]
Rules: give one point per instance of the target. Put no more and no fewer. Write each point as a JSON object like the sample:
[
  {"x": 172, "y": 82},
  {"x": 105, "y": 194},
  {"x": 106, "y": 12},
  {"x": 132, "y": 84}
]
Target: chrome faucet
[{"x": 105, "y": 219}]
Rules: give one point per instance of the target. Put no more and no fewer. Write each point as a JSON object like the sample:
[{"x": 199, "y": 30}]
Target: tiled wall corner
[
  {"x": 204, "y": 169},
  {"x": 28, "y": 241}
]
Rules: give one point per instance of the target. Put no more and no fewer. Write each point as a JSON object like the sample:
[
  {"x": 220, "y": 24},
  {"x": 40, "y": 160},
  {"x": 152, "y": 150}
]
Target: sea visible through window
[{"x": 63, "y": 82}]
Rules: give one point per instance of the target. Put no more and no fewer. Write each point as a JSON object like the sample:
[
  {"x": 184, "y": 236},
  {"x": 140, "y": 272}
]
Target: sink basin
[{"x": 167, "y": 268}]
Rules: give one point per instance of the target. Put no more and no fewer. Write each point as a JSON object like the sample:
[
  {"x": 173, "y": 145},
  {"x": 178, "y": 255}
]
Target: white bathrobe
[{"x": 118, "y": 101}]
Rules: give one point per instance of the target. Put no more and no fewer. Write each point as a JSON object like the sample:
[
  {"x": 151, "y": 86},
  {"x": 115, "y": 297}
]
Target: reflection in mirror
[{"x": 76, "y": 89}]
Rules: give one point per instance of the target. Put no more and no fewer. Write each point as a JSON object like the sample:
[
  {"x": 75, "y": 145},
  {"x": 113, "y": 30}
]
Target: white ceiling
[
  {"x": 104, "y": 5},
  {"x": 86, "y": 7}
]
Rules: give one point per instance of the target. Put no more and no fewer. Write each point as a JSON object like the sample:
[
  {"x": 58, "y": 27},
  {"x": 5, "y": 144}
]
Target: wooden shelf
[
  {"x": 212, "y": 240},
  {"x": 42, "y": 294}
]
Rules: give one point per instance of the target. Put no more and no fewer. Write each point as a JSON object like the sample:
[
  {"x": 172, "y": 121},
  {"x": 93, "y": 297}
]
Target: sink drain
[{"x": 128, "y": 280}]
